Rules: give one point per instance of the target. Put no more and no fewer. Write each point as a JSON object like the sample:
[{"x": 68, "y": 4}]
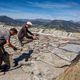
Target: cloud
[
  {"x": 46, "y": 10},
  {"x": 67, "y": 15},
  {"x": 37, "y": 5},
  {"x": 28, "y": 15},
  {"x": 2, "y": 9},
  {"x": 52, "y": 4}
]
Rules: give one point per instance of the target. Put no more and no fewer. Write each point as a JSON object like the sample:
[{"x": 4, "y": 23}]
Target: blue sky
[{"x": 46, "y": 9}]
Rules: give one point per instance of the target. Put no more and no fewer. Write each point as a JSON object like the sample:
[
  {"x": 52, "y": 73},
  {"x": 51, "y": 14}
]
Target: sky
[{"x": 42, "y": 9}]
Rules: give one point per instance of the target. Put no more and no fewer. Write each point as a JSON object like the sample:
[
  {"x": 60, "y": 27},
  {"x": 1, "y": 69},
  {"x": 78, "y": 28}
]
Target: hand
[
  {"x": 35, "y": 37},
  {"x": 14, "y": 48}
]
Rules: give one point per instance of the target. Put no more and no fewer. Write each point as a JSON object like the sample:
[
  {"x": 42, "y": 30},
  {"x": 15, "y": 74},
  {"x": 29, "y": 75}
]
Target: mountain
[
  {"x": 35, "y": 21},
  {"x": 9, "y": 21},
  {"x": 5, "y": 19},
  {"x": 57, "y": 24},
  {"x": 78, "y": 22},
  {"x": 63, "y": 25}
]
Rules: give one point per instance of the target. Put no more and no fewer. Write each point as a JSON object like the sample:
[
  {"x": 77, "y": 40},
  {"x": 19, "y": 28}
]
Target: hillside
[
  {"x": 64, "y": 25},
  {"x": 10, "y": 21},
  {"x": 35, "y": 21},
  {"x": 68, "y": 26}
]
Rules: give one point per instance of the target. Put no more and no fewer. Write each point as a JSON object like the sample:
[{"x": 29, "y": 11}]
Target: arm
[
  {"x": 32, "y": 35},
  {"x": 10, "y": 45},
  {"x": 30, "y": 32},
  {"x": 27, "y": 31}
]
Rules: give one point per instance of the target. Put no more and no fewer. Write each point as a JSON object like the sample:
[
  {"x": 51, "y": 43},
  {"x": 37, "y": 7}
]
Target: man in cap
[
  {"x": 24, "y": 32},
  {"x": 5, "y": 39}
]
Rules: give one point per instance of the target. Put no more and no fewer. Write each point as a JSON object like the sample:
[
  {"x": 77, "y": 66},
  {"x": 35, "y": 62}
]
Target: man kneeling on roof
[{"x": 24, "y": 32}]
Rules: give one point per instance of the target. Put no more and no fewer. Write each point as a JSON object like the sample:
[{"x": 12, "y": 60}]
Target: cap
[{"x": 29, "y": 23}]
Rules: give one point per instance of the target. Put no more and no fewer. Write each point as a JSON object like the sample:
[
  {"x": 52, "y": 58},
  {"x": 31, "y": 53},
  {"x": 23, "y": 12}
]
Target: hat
[{"x": 29, "y": 23}]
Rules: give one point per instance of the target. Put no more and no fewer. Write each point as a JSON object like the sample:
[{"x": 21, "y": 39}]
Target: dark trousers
[
  {"x": 22, "y": 38},
  {"x": 4, "y": 56}
]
